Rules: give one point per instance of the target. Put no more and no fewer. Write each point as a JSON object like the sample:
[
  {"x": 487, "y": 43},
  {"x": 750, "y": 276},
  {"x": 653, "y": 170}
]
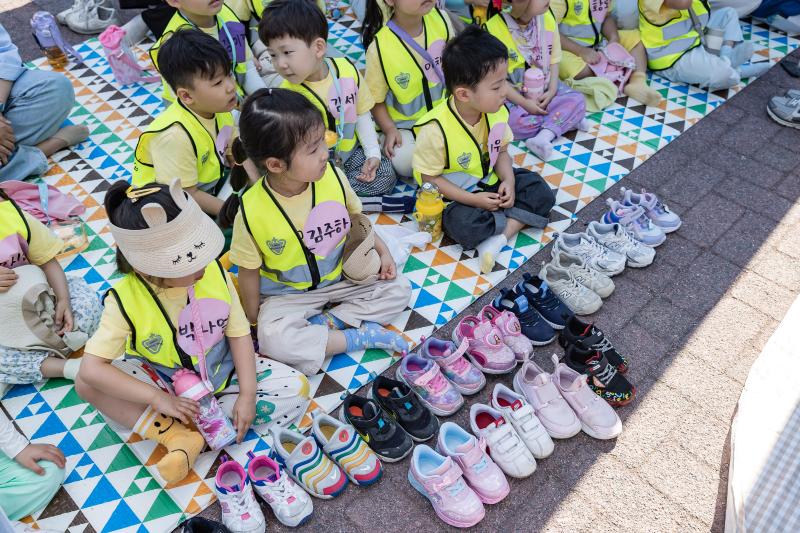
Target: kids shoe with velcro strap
[
  {"x": 516, "y": 410},
  {"x": 589, "y": 337},
  {"x": 505, "y": 446},
  {"x": 510, "y": 327},
  {"x": 486, "y": 350},
  {"x": 380, "y": 431},
  {"x": 397, "y": 399},
  {"x": 532, "y": 324},
  {"x": 425, "y": 378},
  {"x": 602, "y": 377},
  {"x": 656, "y": 211},
  {"x": 450, "y": 357}
]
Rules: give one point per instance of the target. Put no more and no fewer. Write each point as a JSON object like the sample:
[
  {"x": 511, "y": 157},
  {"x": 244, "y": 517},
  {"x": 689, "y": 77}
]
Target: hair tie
[
  {"x": 237, "y": 164},
  {"x": 239, "y": 192},
  {"x": 134, "y": 194}
]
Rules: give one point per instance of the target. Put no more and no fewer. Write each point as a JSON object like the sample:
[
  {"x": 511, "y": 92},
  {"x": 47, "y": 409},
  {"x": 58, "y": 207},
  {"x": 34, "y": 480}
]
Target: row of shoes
[{"x": 89, "y": 16}]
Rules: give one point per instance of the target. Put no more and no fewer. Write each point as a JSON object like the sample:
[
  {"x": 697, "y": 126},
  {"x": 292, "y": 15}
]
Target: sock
[
  {"x": 72, "y": 135},
  {"x": 754, "y": 70},
  {"x": 488, "y": 250},
  {"x": 71, "y": 367},
  {"x": 327, "y": 319},
  {"x": 739, "y": 54},
  {"x": 373, "y": 335},
  {"x": 183, "y": 444},
  {"x": 584, "y": 125},
  {"x": 541, "y": 144},
  {"x": 638, "y": 89},
  {"x": 387, "y": 204}
]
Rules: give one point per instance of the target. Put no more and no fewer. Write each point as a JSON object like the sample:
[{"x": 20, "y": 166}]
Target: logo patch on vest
[
  {"x": 512, "y": 55},
  {"x": 578, "y": 7},
  {"x": 204, "y": 158},
  {"x": 464, "y": 160},
  {"x": 276, "y": 246},
  {"x": 402, "y": 79},
  {"x": 153, "y": 343}
]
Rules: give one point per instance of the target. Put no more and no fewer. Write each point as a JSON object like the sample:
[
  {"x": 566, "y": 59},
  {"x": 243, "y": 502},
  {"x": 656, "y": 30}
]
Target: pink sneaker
[
  {"x": 550, "y": 407},
  {"x": 425, "y": 378},
  {"x": 487, "y": 351},
  {"x": 440, "y": 480},
  {"x": 469, "y": 453},
  {"x": 462, "y": 374},
  {"x": 508, "y": 324}
]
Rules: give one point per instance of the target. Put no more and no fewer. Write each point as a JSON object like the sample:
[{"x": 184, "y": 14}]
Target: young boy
[
  {"x": 461, "y": 148},
  {"x": 190, "y": 138},
  {"x": 675, "y": 48},
  {"x": 215, "y": 19},
  {"x": 295, "y": 33}
]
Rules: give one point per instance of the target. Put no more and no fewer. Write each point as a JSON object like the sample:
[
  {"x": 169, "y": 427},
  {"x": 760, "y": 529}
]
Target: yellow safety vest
[
  {"x": 13, "y": 223},
  {"x": 467, "y": 160},
  {"x": 498, "y": 27},
  {"x": 232, "y": 35},
  {"x": 210, "y": 167},
  {"x": 153, "y": 335},
  {"x": 667, "y": 42},
  {"x": 579, "y": 23},
  {"x": 411, "y": 94},
  {"x": 343, "y": 69},
  {"x": 288, "y": 266}
]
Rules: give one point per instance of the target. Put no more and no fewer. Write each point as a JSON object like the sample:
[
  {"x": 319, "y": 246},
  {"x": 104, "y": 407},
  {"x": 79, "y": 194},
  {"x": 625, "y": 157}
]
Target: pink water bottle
[
  {"x": 533, "y": 83},
  {"x": 215, "y": 427}
]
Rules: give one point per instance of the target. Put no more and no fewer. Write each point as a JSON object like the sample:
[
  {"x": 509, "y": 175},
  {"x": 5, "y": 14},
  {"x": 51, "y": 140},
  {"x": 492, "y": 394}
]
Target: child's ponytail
[
  {"x": 239, "y": 181},
  {"x": 373, "y": 22}
]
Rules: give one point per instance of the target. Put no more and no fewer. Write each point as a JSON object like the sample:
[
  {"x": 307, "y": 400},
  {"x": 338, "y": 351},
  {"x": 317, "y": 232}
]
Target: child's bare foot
[{"x": 64, "y": 138}]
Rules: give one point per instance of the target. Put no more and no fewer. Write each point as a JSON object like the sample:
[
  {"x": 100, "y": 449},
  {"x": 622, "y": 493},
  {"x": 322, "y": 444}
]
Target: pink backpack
[
  {"x": 123, "y": 63},
  {"x": 616, "y": 64}
]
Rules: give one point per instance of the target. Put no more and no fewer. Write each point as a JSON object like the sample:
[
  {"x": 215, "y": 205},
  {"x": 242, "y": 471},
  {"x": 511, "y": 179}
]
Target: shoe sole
[
  {"x": 88, "y": 31},
  {"x": 306, "y": 517},
  {"x": 343, "y": 418},
  {"x": 415, "y": 439},
  {"x": 634, "y": 264},
  {"x": 449, "y": 521},
  {"x": 553, "y": 434},
  {"x": 435, "y": 410},
  {"x": 781, "y": 121},
  {"x": 589, "y": 431},
  {"x": 553, "y": 325},
  {"x": 542, "y": 343},
  {"x": 670, "y": 229}
]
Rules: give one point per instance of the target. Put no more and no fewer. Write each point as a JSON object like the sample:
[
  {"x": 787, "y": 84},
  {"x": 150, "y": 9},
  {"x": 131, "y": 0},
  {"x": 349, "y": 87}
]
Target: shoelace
[
  {"x": 597, "y": 248},
  {"x": 531, "y": 316},
  {"x": 607, "y": 374},
  {"x": 239, "y": 504},
  {"x": 281, "y": 488},
  {"x": 547, "y": 299},
  {"x": 603, "y": 345}
]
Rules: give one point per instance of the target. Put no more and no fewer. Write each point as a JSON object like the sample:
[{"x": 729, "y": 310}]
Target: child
[
  {"x": 461, "y": 146},
  {"x": 404, "y": 70},
  {"x": 189, "y": 138},
  {"x": 26, "y": 485},
  {"x": 584, "y": 26},
  {"x": 296, "y": 33},
  {"x": 167, "y": 249},
  {"x": 286, "y": 286},
  {"x": 531, "y": 36},
  {"x": 217, "y": 20},
  {"x": 671, "y": 33},
  {"x": 26, "y": 241}
]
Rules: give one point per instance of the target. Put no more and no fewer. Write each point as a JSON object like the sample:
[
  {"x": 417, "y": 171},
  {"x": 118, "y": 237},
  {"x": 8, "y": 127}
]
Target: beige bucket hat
[{"x": 360, "y": 261}]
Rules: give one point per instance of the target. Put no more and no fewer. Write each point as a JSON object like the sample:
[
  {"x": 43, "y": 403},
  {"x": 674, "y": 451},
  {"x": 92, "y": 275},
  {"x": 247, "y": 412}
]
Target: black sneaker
[
  {"x": 381, "y": 433},
  {"x": 397, "y": 399},
  {"x": 589, "y": 337},
  {"x": 602, "y": 377}
]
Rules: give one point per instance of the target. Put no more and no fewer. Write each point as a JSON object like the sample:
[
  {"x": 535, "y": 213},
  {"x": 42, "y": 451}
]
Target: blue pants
[
  {"x": 36, "y": 107},
  {"x": 22, "y": 491}
]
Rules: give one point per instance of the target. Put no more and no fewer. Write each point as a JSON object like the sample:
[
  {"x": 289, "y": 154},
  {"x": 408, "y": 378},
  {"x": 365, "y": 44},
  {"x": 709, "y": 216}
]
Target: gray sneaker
[
  {"x": 593, "y": 253},
  {"x": 92, "y": 19},
  {"x": 785, "y": 110},
  {"x": 588, "y": 277},
  {"x": 618, "y": 239},
  {"x": 580, "y": 299}
]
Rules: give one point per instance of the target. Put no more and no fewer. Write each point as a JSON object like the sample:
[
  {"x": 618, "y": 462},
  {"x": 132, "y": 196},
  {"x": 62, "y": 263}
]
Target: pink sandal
[
  {"x": 487, "y": 351},
  {"x": 508, "y": 324}
]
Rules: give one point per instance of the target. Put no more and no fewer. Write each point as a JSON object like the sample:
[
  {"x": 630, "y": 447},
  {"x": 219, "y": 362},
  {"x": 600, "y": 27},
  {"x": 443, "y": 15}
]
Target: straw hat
[
  {"x": 360, "y": 261},
  {"x": 181, "y": 247}
]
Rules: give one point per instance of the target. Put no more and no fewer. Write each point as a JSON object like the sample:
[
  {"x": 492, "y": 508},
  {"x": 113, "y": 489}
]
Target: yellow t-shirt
[
  {"x": 245, "y": 252},
  {"x": 364, "y": 103},
  {"x": 112, "y": 334},
  {"x": 430, "y": 155},
  {"x": 656, "y": 12},
  {"x": 44, "y": 244}
]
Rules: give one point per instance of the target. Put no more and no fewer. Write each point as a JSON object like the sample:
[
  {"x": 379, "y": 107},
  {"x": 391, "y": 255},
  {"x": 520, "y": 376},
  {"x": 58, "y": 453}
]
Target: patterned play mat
[{"x": 109, "y": 484}]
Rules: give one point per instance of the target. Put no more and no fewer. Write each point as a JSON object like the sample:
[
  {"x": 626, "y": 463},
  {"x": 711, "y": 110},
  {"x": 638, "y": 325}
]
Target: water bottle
[
  {"x": 429, "y": 209},
  {"x": 533, "y": 83},
  {"x": 212, "y": 423},
  {"x": 48, "y": 36}
]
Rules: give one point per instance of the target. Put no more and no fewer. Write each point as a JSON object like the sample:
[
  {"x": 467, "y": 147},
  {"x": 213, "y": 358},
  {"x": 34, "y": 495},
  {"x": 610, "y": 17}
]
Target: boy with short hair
[
  {"x": 462, "y": 149},
  {"x": 219, "y": 21},
  {"x": 190, "y": 138},
  {"x": 295, "y": 33}
]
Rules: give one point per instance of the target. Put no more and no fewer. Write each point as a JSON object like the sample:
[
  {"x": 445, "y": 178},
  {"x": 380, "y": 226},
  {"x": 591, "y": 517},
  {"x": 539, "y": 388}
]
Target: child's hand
[
  {"x": 532, "y": 106},
  {"x": 369, "y": 170},
  {"x": 506, "y": 192},
  {"x": 244, "y": 412},
  {"x": 590, "y": 55},
  {"x": 546, "y": 98},
  {"x": 487, "y": 200},
  {"x": 64, "y": 319},
  {"x": 388, "y": 268},
  {"x": 183, "y": 409},
  {"x": 32, "y": 453},
  {"x": 391, "y": 140},
  {"x": 7, "y": 278}
]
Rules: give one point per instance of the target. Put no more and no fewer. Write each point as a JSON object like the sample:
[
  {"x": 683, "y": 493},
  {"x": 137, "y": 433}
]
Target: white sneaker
[
  {"x": 598, "y": 419},
  {"x": 588, "y": 277},
  {"x": 505, "y": 446},
  {"x": 516, "y": 409},
  {"x": 240, "y": 510},
  {"x": 78, "y": 5},
  {"x": 618, "y": 239},
  {"x": 93, "y": 18},
  {"x": 593, "y": 253},
  {"x": 553, "y": 411},
  {"x": 580, "y": 299},
  {"x": 291, "y": 505}
]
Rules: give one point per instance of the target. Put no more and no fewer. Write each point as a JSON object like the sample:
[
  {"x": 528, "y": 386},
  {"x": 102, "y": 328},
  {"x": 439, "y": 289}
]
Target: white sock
[
  {"x": 488, "y": 251},
  {"x": 541, "y": 145},
  {"x": 71, "y": 367},
  {"x": 584, "y": 125}
]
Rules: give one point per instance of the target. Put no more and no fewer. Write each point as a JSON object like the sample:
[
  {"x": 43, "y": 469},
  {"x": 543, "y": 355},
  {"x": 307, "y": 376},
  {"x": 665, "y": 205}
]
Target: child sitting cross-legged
[{"x": 461, "y": 147}]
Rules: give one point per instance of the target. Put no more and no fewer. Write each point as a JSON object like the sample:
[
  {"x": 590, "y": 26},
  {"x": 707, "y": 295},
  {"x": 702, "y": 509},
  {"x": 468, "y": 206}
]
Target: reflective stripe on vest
[
  {"x": 344, "y": 70},
  {"x": 517, "y": 65},
  {"x": 15, "y": 235},
  {"x": 410, "y": 94},
  {"x": 288, "y": 266},
  {"x": 210, "y": 168},
  {"x": 666, "y": 43},
  {"x": 580, "y": 24},
  {"x": 153, "y": 335},
  {"x": 467, "y": 162},
  {"x": 224, "y": 17}
]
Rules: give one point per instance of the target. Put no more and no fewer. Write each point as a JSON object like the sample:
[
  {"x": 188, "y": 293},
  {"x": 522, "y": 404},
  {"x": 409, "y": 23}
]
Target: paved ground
[{"x": 692, "y": 323}]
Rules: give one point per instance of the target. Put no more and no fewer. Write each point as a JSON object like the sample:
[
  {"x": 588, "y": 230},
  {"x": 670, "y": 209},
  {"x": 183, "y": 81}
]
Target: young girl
[
  {"x": 26, "y": 241},
  {"x": 404, "y": 69},
  {"x": 174, "y": 301},
  {"x": 288, "y": 240},
  {"x": 531, "y": 35}
]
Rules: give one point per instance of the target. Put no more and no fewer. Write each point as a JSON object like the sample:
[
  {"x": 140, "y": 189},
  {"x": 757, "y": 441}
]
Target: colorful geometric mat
[{"x": 109, "y": 484}]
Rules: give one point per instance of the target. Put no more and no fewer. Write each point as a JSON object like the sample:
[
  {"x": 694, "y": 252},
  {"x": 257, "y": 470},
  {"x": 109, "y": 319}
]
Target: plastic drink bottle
[
  {"x": 533, "y": 83},
  {"x": 212, "y": 423},
  {"x": 48, "y": 36},
  {"x": 429, "y": 209}
]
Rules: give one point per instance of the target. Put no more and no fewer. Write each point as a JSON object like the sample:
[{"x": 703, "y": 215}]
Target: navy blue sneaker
[
  {"x": 543, "y": 300},
  {"x": 533, "y": 325}
]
